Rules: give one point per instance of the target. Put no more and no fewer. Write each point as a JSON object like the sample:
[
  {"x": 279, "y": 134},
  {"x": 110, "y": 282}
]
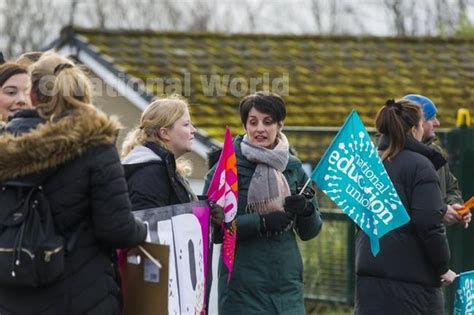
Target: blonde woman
[
  {"x": 73, "y": 153},
  {"x": 155, "y": 178},
  {"x": 150, "y": 152}
]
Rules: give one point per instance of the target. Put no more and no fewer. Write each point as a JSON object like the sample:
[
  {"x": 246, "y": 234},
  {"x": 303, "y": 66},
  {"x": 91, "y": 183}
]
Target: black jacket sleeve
[
  {"x": 427, "y": 211},
  {"x": 149, "y": 187},
  {"x": 113, "y": 222}
]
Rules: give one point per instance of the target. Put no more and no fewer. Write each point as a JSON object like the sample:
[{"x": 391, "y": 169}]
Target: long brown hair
[{"x": 395, "y": 120}]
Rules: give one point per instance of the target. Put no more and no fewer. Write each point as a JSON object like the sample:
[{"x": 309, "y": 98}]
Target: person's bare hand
[
  {"x": 451, "y": 216},
  {"x": 448, "y": 277},
  {"x": 467, "y": 219}
]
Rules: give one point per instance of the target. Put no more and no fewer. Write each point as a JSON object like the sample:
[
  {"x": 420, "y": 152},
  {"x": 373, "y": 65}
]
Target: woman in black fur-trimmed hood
[
  {"x": 406, "y": 276},
  {"x": 87, "y": 189}
]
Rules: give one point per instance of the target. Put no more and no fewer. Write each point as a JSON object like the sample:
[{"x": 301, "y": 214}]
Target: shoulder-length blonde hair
[{"x": 162, "y": 113}]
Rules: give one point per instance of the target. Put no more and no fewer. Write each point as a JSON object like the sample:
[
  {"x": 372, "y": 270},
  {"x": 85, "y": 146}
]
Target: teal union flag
[{"x": 353, "y": 176}]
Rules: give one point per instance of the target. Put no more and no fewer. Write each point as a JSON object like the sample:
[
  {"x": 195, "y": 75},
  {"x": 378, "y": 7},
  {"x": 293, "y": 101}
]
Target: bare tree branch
[
  {"x": 201, "y": 15},
  {"x": 27, "y": 24},
  {"x": 396, "y": 10},
  {"x": 30, "y": 24},
  {"x": 172, "y": 14},
  {"x": 317, "y": 11}
]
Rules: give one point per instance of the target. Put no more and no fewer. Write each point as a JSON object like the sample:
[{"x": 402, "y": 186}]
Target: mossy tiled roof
[{"x": 328, "y": 76}]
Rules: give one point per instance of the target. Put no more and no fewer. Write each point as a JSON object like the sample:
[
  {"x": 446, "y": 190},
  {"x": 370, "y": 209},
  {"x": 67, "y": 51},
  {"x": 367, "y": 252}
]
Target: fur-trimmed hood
[{"x": 54, "y": 143}]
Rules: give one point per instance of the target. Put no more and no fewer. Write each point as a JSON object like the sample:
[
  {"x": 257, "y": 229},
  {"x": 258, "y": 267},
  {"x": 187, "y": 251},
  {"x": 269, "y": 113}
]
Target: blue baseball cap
[{"x": 429, "y": 108}]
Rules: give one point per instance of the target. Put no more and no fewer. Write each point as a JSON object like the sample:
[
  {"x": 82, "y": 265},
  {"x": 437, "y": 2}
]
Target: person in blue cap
[{"x": 448, "y": 182}]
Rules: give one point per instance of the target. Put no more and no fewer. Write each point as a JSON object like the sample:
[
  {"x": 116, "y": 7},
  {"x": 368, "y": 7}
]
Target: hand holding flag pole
[
  {"x": 305, "y": 185},
  {"x": 454, "y": 278}
]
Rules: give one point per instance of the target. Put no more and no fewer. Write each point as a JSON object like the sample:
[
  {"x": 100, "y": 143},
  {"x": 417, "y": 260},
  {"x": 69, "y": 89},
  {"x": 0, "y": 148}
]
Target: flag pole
[{"x": 305, "y": 185}]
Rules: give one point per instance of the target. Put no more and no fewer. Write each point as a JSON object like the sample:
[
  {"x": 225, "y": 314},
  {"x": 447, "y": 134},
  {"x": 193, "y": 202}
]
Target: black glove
[
  {"x": 217, "y": 214},
  {"x": 298, "y": 205},
  {"x": 274, "y": 221},
  {"x": 295, "y": 204}
]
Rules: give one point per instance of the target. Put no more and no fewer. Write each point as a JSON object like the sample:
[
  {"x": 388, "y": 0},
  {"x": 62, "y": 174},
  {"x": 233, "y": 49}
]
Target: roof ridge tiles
[{"x": 288, "y": 36}]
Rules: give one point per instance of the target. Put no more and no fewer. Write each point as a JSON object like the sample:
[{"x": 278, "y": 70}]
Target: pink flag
[{"x": 223, "y": 191}]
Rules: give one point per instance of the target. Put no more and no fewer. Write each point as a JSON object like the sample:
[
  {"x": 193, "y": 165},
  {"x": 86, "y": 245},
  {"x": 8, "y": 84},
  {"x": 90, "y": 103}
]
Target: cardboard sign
[
  {"x": 185, "y": 229},
  {"x": 146, "y": 285}
]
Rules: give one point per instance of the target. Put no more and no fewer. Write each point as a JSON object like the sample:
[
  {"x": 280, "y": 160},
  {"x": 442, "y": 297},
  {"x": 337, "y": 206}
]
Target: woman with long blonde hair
[
  {"x": 150, "y": 156},
  {"x": 73, "y": 156}
]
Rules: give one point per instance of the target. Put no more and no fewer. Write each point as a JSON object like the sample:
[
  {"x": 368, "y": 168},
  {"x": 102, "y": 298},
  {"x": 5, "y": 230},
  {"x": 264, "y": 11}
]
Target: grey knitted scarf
[{"x": 268, "y": 186}]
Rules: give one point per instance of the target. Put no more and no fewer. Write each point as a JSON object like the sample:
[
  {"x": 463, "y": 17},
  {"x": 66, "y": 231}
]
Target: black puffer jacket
[
  {"x": 88, "y": 190},
  {"x": 152, "y": 178},
  {"x": 413, "y": 257}
]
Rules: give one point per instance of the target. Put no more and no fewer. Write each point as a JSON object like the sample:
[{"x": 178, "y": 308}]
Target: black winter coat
[
  {"x": 23, "y": 121},
  {"x": 87, "y": 190},
  {"x": 152, "y": 178},
  {"x": 404, "y": 278}
]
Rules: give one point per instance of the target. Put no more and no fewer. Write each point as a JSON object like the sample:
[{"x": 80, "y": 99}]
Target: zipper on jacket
[
  {"x": 11, "y": 250},
  {"x": 49, "y": 253}
]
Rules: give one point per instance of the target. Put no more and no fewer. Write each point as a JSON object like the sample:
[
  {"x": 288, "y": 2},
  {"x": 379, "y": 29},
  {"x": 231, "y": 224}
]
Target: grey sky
[{"x": 339, "y": 17}]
